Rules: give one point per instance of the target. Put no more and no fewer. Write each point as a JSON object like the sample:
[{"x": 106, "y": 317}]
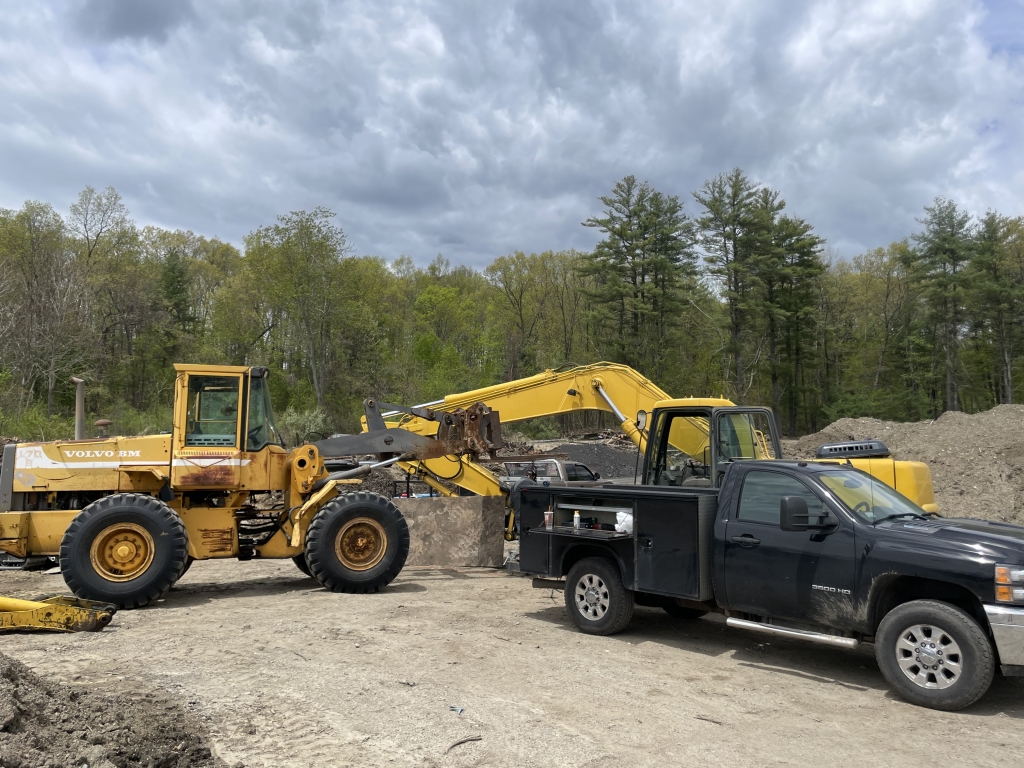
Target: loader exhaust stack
[{"x": 79, "y": 407}]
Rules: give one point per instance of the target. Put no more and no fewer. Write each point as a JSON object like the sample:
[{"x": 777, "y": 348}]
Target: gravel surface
[
  {"x": 282, "y": 673},
  {"x": 976, "y": 460}
]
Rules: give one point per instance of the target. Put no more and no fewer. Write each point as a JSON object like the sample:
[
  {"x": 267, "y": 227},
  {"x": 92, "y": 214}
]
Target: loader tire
[
  {"x": 301, "y": 564},
  {"x": 126, "y": 549},
  {"x": 357, "y": 543}
]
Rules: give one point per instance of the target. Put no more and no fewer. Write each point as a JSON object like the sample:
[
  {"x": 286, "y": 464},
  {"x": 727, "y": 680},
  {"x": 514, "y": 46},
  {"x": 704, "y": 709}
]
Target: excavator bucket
[{"x": 56, "y": 614}]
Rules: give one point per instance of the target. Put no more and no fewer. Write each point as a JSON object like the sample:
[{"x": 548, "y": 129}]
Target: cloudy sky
[{"x": 478, "y": 128}]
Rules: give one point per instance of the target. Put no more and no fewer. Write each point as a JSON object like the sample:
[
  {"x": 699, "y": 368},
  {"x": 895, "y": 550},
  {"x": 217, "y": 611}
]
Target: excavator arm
[{"x": 610, "y": 387}]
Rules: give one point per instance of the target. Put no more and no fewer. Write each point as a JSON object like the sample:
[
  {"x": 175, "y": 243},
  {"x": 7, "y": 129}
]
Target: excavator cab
[{"x": 694, "y": 445}]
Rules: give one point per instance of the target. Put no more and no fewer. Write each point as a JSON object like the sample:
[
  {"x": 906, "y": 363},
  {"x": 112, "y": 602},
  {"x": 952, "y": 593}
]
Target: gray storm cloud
[{"x": 476, "y": 129}]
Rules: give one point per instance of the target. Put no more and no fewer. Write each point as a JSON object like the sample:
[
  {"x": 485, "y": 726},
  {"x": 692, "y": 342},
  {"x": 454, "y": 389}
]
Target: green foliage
[
  {"x": 741, "y": 299},
  {"x": 297, "y": 426}
]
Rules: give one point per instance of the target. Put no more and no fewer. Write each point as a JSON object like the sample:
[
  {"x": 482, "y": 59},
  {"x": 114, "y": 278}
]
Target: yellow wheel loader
[{"x": 127, "y": 515}]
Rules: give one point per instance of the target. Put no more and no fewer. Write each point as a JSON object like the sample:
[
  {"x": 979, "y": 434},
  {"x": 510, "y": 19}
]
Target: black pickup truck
[{"x": 814, "y": 550}]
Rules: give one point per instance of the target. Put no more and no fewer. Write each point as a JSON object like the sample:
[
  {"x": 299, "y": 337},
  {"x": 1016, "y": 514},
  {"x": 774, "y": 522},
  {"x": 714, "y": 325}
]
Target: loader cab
[
  {"x": 692, "y": 444},
  {"x": 222, "y": 416}
]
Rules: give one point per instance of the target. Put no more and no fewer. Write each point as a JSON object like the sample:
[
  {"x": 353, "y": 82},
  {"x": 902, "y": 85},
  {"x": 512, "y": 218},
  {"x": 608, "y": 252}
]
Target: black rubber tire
[
  {"x": 978, "y": 662},
  {"x": 676, "y": 611},
  {"x": 301, "y": 564},
  {"x": 324, "y": 563},
  {"x": 188, "y": 564},
  {"x": 170, "y": 549},
  {"x": 620, "y": 600}
]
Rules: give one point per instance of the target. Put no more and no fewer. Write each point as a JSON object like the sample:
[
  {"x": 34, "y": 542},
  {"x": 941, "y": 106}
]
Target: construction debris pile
[
  {"x": 45, "y": 725},
  {"x": 976, "y": 460}
]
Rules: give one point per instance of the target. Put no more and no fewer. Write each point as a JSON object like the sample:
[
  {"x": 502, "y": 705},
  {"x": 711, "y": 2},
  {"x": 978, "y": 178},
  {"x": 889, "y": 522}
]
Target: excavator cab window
[
  {"x": 212, "y": 417},
  {"x": 681, "y": 453},
  {"x": 260, "y": 430}
]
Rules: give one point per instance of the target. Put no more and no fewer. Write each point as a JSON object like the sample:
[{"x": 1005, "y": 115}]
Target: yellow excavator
[
  {"x": 126, "y": 516},
  {"x": 704, "y": 435}
]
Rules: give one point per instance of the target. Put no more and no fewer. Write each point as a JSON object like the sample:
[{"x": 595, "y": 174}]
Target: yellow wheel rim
[
  {"x": 361, "y": 544},
  {"x": 122, "y": 552}
]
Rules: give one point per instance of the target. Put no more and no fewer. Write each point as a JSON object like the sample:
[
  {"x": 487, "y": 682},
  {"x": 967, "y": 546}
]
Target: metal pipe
[
  {"x": 421, "y": 405},
  {"x": 604, "y": 396},
  {"x": 796, "y": 634},
  {"x": 79, "y": 407},
  {"x": 360, "y": 471}
]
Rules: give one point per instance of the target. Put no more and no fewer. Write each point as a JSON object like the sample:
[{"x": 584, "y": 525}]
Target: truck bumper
[{"x": 1008, "y": 632}]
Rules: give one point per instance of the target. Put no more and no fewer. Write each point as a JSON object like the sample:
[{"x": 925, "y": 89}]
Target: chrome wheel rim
[
  {"x": 929, "y": 656},
  {"x": 592, "y": 597}
]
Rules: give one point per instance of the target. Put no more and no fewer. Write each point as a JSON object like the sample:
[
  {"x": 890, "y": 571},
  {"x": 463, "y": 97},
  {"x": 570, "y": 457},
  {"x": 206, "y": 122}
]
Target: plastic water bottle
[{"x": 576, "y": 520}]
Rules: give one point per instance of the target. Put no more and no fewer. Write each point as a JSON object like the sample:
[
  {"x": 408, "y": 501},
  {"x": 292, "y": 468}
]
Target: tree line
[{"x": 724, "y": 292}]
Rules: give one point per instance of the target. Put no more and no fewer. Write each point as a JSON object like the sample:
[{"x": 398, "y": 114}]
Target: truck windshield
[
  {"x": 261, "y": 431},
  {"x": 868, "y": 498}
]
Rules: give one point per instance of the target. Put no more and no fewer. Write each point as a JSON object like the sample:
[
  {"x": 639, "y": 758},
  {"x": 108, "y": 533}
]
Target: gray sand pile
[{"x": 976, "y": 460}]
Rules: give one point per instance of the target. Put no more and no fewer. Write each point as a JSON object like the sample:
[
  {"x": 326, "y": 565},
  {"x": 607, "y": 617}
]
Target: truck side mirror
[
  {"x": 641, "y": 419},
  {"x": 794, "y": 515}
]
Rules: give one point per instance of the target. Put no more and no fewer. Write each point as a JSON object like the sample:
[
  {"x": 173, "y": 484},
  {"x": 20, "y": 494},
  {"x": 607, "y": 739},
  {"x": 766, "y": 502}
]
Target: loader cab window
[
  {"x": 212, "y": 417},
  {"x": 260, "y": 430}
]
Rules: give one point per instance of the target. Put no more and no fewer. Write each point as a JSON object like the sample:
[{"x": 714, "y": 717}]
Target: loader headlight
[{"x": 1009, "y": 584}]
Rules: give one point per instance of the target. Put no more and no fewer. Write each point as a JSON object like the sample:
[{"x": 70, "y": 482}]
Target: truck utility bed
[{"x": 669, "y": 552}]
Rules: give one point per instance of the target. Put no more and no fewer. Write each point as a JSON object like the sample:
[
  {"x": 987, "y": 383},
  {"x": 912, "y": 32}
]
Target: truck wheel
[
  {"x": 934, "y": 655},
  {"x": 595, "y": 599},
  {"x": 357, "y": 543},
  {"x": 301, "y": 564},
  {"x": 126, "y": 549}
]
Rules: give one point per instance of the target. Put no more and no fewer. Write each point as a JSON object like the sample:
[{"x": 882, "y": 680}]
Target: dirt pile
[
  {"x": 976, "y": 460},
  {"x": 45, "y": 725}
]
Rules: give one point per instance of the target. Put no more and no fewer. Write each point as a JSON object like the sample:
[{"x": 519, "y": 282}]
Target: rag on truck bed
[
  {"x": 127, "y": 515},
  {"x": 816, "y": 550}
]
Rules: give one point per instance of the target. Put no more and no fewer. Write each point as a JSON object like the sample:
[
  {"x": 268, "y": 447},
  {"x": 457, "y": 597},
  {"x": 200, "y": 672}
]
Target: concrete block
[{"x": 455, "y": 531}]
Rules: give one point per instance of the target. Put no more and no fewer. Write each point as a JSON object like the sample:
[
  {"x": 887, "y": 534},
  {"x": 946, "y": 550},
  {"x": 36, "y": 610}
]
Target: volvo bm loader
[{"x": 127, "y": 515}]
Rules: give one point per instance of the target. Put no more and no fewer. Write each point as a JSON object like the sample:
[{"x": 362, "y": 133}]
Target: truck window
[
  {"x": 570, "y": 472},
  {"x": 762, "y": 495},
  {"x": 584, "y": 473},
  {"x": 523, "y": 468},
  {"x": 212, "y": 417}
]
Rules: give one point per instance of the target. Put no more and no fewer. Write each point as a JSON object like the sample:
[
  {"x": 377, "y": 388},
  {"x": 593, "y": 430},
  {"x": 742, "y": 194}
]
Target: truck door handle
[
  {"x": 645, "y": 543},
  {"x": 746, "y": 540}
]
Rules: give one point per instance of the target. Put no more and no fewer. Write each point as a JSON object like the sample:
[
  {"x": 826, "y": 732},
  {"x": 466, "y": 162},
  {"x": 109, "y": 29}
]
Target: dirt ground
[
  {"x": 282, "y": 673},
  {"x": 976, "y": 460}
]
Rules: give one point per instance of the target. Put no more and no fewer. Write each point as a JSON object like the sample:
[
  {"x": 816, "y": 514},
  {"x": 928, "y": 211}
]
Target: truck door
[
  {"x": 799, "y": 575},
  {"x": 207, "y": 447}
]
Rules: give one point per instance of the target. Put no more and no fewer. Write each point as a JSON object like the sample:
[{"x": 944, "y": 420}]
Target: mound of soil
[
  {"x": 976, "y": 460},
  {"x": 45, "y": 725}
]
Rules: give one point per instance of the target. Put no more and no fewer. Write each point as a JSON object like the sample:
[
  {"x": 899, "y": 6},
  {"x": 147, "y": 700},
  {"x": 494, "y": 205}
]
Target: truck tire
[
  {"x": 595, "y": 598},
  {"x": 934, "y": 655},
  {"x": 126, "y": 549},
  {"x": 301, "y": 564},
  {"x": 357, "y": 543}
]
